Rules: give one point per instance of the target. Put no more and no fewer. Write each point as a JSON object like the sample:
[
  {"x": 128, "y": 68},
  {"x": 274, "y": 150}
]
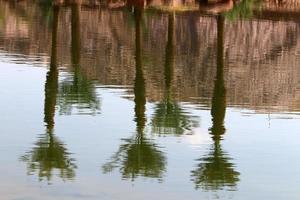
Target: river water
[{"x": 149, "y": 100}]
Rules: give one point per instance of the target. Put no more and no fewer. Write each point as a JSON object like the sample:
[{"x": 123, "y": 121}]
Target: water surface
[{"x": 149, "y": 100}]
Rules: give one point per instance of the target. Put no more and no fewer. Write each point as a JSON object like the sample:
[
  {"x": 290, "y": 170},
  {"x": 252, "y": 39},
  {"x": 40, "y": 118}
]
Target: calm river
[{"x": 149, "y": 100}]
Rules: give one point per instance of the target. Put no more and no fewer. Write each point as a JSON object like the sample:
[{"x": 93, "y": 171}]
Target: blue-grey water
[{"x": 149, "y": 100}]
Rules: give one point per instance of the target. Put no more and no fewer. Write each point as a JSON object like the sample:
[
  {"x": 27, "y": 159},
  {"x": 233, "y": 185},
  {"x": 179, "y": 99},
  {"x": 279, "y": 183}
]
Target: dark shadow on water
[{"x": 215, "y": 170}]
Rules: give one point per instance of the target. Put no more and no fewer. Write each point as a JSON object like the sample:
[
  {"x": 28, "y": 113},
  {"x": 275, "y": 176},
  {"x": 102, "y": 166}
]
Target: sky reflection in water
[{"x": 165, "y": 101}]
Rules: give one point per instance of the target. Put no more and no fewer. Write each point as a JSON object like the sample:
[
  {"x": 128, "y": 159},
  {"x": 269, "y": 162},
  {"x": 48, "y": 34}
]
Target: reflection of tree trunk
[
  {"x": 139, "y": 85},
  {"x": 136, "y": 4},
  {"x": 170, "y": 56},
  {"x": 51, "y": 85},
  {"x": 218, "y": 108},
  {"x": 75, "y": 41},
  {"x": 169, "y": 117},
  {"x": 203, "y": 2},
  {"x": 75, "y": 34},
  {"x": 138, "y": 157},
  {"x": 215, "y": 171},
  {"x": 52, "y": 77},
  {"x": 49, "y": 154}
]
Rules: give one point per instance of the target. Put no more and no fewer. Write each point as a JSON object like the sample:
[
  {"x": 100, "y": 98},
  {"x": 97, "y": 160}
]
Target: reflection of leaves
[
  {"x": 215, "y": 172},
  {"x": 137, "y": 157},
  {"x": 48, "y": 155},
  {"x": 170, "y": 118},
  {"x": 79, "y": 93},
  {"x": 243, "y": 9}
]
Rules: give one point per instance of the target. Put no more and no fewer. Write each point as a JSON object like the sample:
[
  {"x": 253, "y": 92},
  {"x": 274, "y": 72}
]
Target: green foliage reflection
[
  {"x": 169, "y": 117},
  {"x": 243, "y": 9},
  {"x": 49, "y": 154},
  {"x": 215, "y": 171},
  {"x": 77, "y": 91},
  {"x": 138, "y": 156}
]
